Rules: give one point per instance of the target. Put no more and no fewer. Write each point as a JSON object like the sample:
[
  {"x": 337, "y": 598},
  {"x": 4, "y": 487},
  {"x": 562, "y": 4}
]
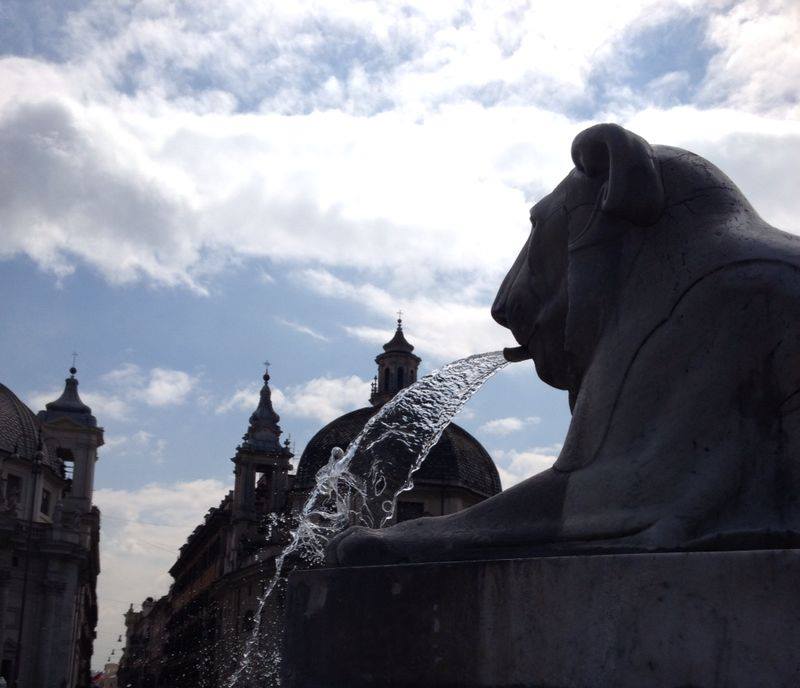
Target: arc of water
[{"x": 352, "y": 487}]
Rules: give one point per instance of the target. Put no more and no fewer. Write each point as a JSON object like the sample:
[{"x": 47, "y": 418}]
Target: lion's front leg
[{"x": 519, "y": 520}]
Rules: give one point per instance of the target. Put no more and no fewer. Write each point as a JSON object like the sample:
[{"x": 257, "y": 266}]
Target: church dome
[
  {"x": 457, "y": 459},
  {"x": 18, "y": 425}
]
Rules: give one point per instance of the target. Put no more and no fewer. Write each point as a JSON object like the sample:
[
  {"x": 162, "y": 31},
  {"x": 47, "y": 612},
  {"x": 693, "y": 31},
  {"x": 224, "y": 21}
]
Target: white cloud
[
  {"x": 139, "y": 444},
  {"x": 114, "y": 443},
  {"x": 170, "y": 185},
  {"x": 505, "y": 426},
  {"x": 141, "y": 532},
  {"x": 142, "y": 436},
  {"x": 112, "y": 397},
  {"x": 303, "y": 329},
  {"x": 109, "y": 405},
  {"x": 167, "y": 387},
  {"x": 757, "y": 64},
  {"x": 435, "y": 188},
  {"x": 244, "y": 399},
  {"x": 414, "y": 55},
  {"x": 436, "y": 323},
  {"x": 157, "y": 452},
  {"x": 167, "y": 216},
  {"x": 85, "y": 189},
  {"x": 323, "y": 398},
  {"x": 123, "y": 375},
  {"x": 156, "y": 387},
  {"x": 515, "y": 466},
  {"x": 414, "y": 154}
]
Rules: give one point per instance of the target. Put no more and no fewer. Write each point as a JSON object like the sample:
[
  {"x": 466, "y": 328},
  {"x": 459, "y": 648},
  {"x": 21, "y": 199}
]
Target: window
[
  {"x": 67, "y": 466},
  {"x": 386, "y": 379},
  {"x": 44, "y": 507},
  {"x": 401, "y": 373},
  {"x": 67, "y": 462}
]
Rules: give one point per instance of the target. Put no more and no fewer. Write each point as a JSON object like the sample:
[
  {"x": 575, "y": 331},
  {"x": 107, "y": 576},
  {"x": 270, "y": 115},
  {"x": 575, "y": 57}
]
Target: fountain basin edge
[{"x": 663, "y": 619}]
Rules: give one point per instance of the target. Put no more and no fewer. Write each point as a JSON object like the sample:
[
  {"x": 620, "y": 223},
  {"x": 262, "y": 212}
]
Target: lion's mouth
[{"x": 515, "y": 354}]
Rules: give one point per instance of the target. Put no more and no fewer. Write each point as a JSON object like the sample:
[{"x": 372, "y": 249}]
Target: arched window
[
  {"x": 400, "y": 377},
  {"x": 386, "y": 379},
  {"x": 68, "y": 464},
  {"x": 413, "y": 375}
]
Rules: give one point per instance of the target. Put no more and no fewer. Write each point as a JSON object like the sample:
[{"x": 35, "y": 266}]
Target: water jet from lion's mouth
[
  {"x": 516, "y": 354},
  {"x": 361, "y": 486}
]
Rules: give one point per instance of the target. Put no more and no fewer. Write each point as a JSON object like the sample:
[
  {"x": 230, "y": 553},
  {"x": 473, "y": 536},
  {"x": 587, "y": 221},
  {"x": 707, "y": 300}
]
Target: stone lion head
[{"x": 562, "y": 288}]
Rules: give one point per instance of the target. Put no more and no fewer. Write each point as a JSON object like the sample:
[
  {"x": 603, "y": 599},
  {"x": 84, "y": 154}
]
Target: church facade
[
  {"x": 194, "y": 635},
  {"x": 49, "y": 540}
]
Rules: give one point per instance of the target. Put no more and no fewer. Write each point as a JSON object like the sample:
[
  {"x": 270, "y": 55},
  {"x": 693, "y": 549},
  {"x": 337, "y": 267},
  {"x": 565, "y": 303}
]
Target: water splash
[{"x": 361, "y": 486}]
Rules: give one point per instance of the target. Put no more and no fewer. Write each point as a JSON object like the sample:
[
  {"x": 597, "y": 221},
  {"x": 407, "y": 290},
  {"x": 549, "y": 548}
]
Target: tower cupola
[
  {"x": 261, "y": 463},
  {"x": 69, "y": 405},
  {"x": 263, "y": 433},
  {"x": 397, "y": 367}
]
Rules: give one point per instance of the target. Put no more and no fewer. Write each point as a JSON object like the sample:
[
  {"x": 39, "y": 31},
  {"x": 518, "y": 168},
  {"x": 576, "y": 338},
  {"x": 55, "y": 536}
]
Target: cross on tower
[
  {"x": 266, "y": 365},
  {"x": 74, "y": 356},
  {"x": 400, "y": 316}
]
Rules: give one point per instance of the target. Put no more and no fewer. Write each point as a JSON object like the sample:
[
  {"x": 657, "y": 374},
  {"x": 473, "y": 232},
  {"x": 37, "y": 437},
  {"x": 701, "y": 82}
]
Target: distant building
[
  {"x": 145, "y": 640},
  {"x": 107, "y": 678},
  {"x": 49, "y": 535},
  {"x": 193, "y": 636}
]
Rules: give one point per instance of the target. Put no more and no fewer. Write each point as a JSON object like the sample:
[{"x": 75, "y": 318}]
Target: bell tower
[
  {"x": 261, "y": 468},
  {"x": 71, "y": 434},
  {"x": 261, "y": 452},
  {"x": 397, "y": 367}
]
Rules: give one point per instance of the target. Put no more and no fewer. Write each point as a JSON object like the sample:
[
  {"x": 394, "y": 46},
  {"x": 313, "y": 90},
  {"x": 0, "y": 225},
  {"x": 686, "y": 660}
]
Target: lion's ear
[{"x": 633, "y": 189}]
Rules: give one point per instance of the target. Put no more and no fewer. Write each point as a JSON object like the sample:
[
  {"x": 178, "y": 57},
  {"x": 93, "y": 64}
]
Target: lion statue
[{"x": 651, "y": 290}]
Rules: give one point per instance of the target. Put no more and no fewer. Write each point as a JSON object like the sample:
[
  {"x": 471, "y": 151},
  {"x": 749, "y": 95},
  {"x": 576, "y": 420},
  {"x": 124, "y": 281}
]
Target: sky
[{"x": 189, "y": 189}]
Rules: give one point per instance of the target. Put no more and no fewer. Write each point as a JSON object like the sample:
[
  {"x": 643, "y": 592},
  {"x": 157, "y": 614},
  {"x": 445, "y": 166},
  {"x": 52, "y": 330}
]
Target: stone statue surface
[{"x": 651, "y": 290}]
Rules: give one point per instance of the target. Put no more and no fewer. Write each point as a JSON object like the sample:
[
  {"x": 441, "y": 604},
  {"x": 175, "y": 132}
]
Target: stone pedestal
[{"x": 701, "y": 619}]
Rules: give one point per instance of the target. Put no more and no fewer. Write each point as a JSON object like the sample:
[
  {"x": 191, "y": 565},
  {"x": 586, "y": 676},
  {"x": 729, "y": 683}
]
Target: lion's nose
[
  {"x": 500, "y": 305},
  {"x": 499, "y": 309}
]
